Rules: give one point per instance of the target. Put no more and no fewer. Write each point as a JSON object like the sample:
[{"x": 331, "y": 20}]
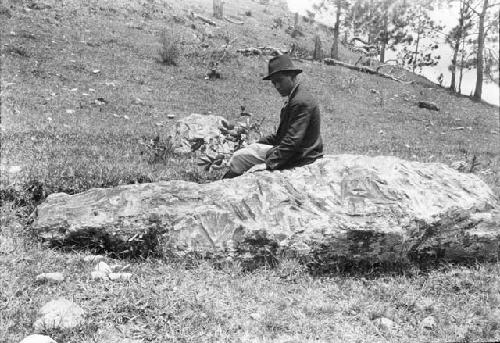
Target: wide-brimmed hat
[{"x": 280, "y": 63}]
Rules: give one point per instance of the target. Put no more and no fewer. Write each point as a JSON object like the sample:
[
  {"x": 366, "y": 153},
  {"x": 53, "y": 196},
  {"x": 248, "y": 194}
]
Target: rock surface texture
[{"x": 343, "y": 208}]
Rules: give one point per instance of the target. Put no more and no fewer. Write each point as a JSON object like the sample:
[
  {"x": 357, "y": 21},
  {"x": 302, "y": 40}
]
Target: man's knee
[{"x": 236, "y": 162}]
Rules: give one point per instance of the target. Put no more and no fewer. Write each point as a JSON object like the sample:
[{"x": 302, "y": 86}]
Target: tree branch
[{"x": 334, "y": 62}]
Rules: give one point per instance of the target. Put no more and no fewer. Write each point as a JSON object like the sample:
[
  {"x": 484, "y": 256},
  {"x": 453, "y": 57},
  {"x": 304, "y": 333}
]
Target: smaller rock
[
  {"x": 384, "y": 323},
  {"x": 94, "y": 258},
  {"x": 98, "y": 275},
  {"x": 137, "y": 101},
  {"x": 120, "y": 276},
  {"x": 118, "y": 268},
  {"x": 429, "y": 323},
  {"x": 50, "y": 277},
  {"x": 256, "y": 316},
  {"x": 59, "y": 314},
  {"x": 38, "y": 339},
  {"x": 7, "y": 245},
  {"x": 424, "y": 305},
  {"x": 170, "y": 116},
  {"x": 103, "y": 267},
  {"x": 494, "y": 316}
]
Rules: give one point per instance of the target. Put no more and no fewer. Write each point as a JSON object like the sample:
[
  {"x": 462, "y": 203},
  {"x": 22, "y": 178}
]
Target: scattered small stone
[
  {"x": 126, "y": 117},
  {"x": 6, "y": 245},
  {"x": 120, "y": 276},
  {"x": 73, "y": 89},
  {"x": 93, "y": 258},
  {"x": 170, "y": 116},
  {"x": 50, "y": 277},
  {"x": 119, "y": 268},
  {"x": 70, "y": 111},
  {"x": 137, "y": 101},
  {"x": 49, "y": 119},
  {"x": 103, "y": 267},
  {"x": 98, "y": 275},
  {"x": 38, "y": 339},
  {"x": 100, "y": 101},
  {"x": 11, "y": 170},
  {"x": 256, "y": 316},
  {"x": 96, "y": 71},
  {"x": 424, "y": 305},
  {"x": 59, "y": 314},
  {"x": 384, "y": 323},
  {"x": 91, "y": 90},
  {"x": 374, "y": 91},
  {"x": 429, "y": 323}
]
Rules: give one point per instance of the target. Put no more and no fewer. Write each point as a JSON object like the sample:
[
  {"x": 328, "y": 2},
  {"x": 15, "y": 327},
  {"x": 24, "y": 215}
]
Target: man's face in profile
[{"x": 284, "y": 83}]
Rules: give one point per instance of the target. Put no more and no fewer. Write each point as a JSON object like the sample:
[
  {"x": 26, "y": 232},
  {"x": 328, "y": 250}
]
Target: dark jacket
[{"x": 298, "y": 140}]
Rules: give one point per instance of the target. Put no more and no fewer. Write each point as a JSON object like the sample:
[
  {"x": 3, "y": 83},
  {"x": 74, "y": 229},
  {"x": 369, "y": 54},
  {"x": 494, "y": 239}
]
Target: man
[{"x": 298, "y": 141}]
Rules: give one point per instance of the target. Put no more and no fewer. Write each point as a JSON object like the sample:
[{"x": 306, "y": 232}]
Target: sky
[{"x": 445, "y": 16}]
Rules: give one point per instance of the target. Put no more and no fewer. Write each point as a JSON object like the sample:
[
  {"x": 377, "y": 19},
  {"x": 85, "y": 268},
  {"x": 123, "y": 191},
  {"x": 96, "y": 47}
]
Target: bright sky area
[{"x": 445, "y": 16}]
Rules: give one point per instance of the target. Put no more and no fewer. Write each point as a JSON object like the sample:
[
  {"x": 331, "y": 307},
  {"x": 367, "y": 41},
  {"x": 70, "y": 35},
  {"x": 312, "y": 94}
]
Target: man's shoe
[{"x": 230, "y": 174}]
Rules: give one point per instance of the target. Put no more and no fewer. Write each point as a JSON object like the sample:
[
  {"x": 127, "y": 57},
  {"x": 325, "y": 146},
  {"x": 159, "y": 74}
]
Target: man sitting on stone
[{"x": 298, "y": 141}]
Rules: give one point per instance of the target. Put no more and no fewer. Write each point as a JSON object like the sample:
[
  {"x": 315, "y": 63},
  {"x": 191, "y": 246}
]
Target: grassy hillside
[{"x": 82, "y": 87}]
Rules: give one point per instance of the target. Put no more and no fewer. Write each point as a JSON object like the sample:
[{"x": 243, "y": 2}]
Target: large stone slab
[{"x": 343, "y": 208}]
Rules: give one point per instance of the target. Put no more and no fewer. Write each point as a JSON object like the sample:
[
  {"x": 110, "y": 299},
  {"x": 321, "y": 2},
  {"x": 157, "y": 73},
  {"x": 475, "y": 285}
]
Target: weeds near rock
[
  {"x": 216, "y": 154},
  {"x": 156, "y": 150}
]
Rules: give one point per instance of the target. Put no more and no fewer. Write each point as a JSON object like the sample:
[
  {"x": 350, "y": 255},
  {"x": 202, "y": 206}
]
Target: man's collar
[
  {"x": 292, "y": 93},
  {"x": 294, "y": 89}
]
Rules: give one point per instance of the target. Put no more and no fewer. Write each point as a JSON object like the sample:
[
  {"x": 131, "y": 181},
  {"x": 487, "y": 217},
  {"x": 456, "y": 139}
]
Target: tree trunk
[
  {"x": 480, "y": 47},
  {"x": 218, "y": 9},
  {"x": 454, "y": 66},
  {"x": 384, "y": 35},
  {"x": 462, "y": 61},
  {"x": 336, "y": 29},
  {"x": 415, "y": 54},
  {"x": 317, "y": 54},
  {"x": 370, "y": 30}
]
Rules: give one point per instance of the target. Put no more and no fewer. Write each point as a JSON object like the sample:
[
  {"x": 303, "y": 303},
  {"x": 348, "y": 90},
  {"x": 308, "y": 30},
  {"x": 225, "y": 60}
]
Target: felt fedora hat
[{"x": 280, "y": 63}]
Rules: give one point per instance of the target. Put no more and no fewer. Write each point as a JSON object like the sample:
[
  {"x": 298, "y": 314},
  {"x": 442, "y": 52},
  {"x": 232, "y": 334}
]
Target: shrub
[{"x": 170, "y": 48}]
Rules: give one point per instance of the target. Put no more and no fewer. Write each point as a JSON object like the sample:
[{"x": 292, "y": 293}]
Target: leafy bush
[
  {"x": 217, "y": 153},
  {"x": 170, "y": 48}
]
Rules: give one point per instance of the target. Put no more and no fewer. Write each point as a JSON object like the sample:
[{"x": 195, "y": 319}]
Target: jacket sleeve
[
  {"x": 269, "y": 139},
  {"x": 278, "y": 156}
]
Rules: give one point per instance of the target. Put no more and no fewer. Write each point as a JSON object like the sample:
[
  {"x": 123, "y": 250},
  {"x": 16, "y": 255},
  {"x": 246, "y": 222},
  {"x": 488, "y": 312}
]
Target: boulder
[
  {"x": 59, "y": 314},
  {"x": 340, "y": 209},
  {"x": 195, "y": 129}
]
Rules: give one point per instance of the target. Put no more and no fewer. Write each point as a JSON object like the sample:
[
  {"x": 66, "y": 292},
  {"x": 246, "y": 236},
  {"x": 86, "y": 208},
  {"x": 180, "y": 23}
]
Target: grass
[{"x": 57, "y": 60}]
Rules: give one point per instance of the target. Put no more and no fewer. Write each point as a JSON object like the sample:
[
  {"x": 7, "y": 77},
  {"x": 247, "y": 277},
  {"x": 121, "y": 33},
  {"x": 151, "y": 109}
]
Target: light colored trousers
[{"x": 247, "y": 157}]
